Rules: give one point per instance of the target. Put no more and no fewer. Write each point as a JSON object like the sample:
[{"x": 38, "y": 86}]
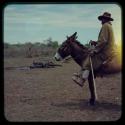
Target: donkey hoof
[{"x": 92, "y": 102}]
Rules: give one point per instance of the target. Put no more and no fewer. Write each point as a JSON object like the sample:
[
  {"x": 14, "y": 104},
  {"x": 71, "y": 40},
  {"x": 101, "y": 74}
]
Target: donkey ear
[
  {"x": 74, "y": 34},
  {"x": 76, "y": 37}
]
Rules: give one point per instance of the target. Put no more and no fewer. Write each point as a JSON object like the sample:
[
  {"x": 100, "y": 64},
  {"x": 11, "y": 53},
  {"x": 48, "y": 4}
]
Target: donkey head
[{"x": 64, "y": 50}]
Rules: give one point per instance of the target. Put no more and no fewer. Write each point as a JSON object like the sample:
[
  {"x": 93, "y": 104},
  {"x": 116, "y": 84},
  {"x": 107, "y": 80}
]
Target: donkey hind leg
[{"x": 92, "y": 90}]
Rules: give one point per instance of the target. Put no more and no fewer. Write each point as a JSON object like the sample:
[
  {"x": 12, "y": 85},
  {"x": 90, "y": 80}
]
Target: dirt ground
[{"x": 48, "y": 95}]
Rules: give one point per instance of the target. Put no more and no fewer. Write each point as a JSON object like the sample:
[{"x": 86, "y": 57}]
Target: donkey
[{"x": 78, "y": 52}]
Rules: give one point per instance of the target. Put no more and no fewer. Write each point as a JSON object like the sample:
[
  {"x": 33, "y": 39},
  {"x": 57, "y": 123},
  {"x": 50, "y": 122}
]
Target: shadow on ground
[{"x": 84, "y": 105}]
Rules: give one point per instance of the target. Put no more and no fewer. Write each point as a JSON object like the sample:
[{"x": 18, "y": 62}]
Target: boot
[
  {"x": 78, "y": 80},
  {"x": 76, "y": 74}
]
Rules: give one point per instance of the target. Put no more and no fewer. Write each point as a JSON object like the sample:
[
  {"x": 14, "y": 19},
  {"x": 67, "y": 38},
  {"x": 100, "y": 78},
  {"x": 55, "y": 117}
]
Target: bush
[{"x": 29, "y": 50}]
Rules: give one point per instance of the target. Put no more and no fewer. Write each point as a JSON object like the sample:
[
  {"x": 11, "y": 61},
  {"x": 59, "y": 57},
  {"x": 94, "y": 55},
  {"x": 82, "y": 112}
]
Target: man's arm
[{"x": 103, "y": 38}]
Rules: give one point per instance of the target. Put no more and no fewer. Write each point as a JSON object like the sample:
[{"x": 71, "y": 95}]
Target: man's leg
[{"x": 80, "y": 79}]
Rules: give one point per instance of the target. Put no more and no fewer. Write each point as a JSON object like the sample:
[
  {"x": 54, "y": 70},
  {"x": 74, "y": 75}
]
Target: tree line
[{"x": 46, "y": 43}]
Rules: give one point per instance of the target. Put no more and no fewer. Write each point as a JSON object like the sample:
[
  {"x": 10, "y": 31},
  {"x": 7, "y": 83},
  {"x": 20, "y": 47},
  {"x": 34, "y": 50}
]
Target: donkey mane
[{"x": 81, "y": 45}]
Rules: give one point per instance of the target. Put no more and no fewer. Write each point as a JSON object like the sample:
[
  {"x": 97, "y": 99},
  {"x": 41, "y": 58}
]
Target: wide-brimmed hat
[{"x": 105, "y": 15}]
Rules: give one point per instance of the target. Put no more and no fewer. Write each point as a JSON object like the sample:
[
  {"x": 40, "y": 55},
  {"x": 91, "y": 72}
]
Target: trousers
[{"x": 97, "y": 61}]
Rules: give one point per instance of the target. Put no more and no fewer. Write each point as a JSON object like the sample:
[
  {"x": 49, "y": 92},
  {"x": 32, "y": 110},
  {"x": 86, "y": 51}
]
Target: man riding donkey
[{"x": 104, "y": 49}]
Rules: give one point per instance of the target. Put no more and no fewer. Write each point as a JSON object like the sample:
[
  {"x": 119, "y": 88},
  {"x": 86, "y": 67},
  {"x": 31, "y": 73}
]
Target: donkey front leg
[{"x": 92, "y": 90}]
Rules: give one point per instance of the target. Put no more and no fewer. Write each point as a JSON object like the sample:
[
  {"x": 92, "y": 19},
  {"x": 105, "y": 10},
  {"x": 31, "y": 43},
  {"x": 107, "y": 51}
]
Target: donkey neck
[{"x": 77, "y": 54}]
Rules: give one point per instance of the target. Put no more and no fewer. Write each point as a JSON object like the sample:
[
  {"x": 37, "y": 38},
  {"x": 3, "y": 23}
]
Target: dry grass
[
  {"x": 28, "y": 51},
  {"x": 51, "y": 95}
]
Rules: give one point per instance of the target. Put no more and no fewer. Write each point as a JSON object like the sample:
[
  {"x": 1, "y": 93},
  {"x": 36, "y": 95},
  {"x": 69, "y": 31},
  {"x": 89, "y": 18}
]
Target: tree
[
  {"x": 37, "y": 44},
  {"x": 50, "y": 43},
  {"x": 55, "y": 44}
]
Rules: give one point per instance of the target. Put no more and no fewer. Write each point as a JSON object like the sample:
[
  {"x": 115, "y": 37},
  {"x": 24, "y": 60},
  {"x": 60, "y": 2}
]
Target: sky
[{"x": 38, "y": 22}]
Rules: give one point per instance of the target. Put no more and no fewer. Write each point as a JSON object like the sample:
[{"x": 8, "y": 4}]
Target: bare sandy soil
[{"x": 51, "y": 95}]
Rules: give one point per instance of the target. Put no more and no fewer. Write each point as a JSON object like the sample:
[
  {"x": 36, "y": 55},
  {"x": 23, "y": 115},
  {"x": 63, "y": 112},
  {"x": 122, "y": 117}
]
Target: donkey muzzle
[{"x": 58, "y": 57}]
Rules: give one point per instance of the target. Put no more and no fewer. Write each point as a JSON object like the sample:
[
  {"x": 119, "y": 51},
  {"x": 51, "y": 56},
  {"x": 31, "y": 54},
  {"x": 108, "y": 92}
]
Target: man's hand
[
  {"x": 92, "y": 51},
  {"x": 93, "y": 43}
]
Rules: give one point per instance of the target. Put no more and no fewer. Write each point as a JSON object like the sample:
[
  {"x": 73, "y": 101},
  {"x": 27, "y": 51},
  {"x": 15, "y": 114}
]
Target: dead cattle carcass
[{"x": 44, "y": 64}]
